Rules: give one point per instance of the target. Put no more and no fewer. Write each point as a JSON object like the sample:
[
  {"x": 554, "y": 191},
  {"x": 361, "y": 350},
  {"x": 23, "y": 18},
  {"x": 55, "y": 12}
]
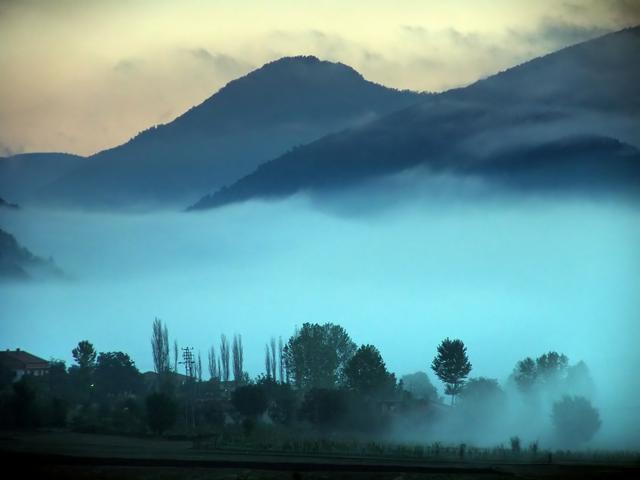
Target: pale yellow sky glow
[{"x": 81, "y": 76}]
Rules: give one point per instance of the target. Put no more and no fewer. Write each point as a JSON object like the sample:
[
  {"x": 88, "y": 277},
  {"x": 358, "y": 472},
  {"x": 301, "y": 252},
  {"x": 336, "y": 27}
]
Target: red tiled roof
[{"x": 22, "y": 359}]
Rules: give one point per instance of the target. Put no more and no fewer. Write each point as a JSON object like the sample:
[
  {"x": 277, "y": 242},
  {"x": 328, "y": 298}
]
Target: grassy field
[{"x": 82, "y": 456}]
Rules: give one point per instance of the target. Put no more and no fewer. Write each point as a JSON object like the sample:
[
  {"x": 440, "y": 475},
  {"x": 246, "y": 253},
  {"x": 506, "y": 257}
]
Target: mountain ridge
[
  {"x": 455, "y": 127},
  {"x": 287, "y": 102}
]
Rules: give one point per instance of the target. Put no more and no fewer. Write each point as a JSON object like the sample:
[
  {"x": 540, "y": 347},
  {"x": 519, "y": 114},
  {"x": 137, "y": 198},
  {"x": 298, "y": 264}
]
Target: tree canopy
[
  {"x": 116, "y": 373},
  {"x": 452, "y": 365},
  {"x": 316, "y": 355},
  {"x": 367, "y": 373},
  {"x": 575, "y": 420},
  {"x": 84, "y": 354},
  {"x": 419, "y": 385}
]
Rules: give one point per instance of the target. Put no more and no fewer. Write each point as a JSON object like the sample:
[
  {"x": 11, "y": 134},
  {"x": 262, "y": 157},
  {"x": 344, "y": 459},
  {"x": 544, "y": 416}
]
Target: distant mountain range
[
  {"x": 18, "y": 263},
  {"x": 567, "y": 120},
  {"x": 251, "y": 120}
]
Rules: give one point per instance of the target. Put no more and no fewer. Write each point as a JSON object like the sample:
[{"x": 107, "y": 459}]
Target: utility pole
[{"x": 189, "y": 369}]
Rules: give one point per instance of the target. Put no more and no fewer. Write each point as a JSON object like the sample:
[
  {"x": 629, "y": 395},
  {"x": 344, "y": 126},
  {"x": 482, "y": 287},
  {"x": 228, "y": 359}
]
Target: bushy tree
[
  {"x": 551, "y": 367},
  {"x": 579, "y": 381},
  {"x": 482, "y": 396},
  {"x": 367, "y": 373},
  {"x": 525, "y": 374},
  {"x": 116, "y": 374},
  {"x": 84, "y": 354},
  {"x": 552, "y": 374},
  {"x": 162, "y": 412},
  {"x": 238, "y": 355},
  {"x": 316, "y": 355},
  {"x": 419, "y": 385},
  {"x": 160, "y": 347},
  {"x": 324, "y": 408},
  {"x": 452, "y": 366},
  {"x": 224, "y": 358},
  {"x": 81, "y": 374},
  {"x": 575, "y": 420}
]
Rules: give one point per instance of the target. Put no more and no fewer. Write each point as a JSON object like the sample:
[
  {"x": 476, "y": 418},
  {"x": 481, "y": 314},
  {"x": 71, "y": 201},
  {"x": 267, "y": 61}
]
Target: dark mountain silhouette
[
  {"x": 21, "y": 176},
  {"x": 18, "y": 263},
  {"x": 251, "y": 120},
  {"x": 571, "y": 100}
]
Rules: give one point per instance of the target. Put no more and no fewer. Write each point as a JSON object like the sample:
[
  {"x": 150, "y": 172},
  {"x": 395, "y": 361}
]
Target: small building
[{"x": 23, "y": 363}]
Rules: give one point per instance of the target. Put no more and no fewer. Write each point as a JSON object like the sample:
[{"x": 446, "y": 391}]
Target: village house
[{"x": 23, "y": 363}]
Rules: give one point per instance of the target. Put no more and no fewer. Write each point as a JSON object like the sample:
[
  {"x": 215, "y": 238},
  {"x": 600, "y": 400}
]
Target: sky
[{"x": 82, "y": 76}]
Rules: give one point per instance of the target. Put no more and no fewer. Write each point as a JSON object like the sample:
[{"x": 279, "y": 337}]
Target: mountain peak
[
  {"x": 274, "y": 91},
  {"x": 305, "y": 61},
  {"x": 284, "y": 103},
  {"x": 304, "y": 70}
]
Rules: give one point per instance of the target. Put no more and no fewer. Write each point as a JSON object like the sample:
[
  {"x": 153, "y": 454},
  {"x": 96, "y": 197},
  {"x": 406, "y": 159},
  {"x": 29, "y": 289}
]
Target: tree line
[{"x": 318, "y": 378}]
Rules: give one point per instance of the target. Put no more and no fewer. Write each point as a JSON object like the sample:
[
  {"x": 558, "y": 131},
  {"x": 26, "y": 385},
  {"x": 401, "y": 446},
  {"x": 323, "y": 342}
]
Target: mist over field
[{"x": 512, "y": 276}]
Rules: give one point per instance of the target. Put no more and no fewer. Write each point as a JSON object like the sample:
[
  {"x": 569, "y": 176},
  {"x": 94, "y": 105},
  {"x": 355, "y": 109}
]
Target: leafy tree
[
  {"x": 84, "y": 355},
  {"x": 419, "y": 385},
  {"x": 525, "y": 374},
  {"x": 367, "y": 373},
  {"x": 238, "y": 355},
  {"x": 280, "y": 360},
  {"x": 162, "y": 412},
  {"x": 160, "y": 347},
  {"x": 214, "y": 374},
  {"x": 175, "y": 355},
  {"x": 82, "y": 375},
  {"x": 575, "y": 420},
  {"x": 551, "y": 367},
  {"x": 481, "y": 408},
  {"x": 579, "y": 381},
  {"x": 116, "y": 374},
  {"x": 316, "y": 355},
  {"x": 224, "y": 358},
  {"x": 482, "y": 394},
  {"x": 267, "y": 361},
  {"x": 250, "y": 400},
  {"x": 452, "y": 365}
]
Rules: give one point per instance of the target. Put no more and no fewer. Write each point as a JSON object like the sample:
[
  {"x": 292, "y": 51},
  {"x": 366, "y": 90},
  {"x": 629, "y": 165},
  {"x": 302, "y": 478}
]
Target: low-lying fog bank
[{"x": 511, "y": 277}]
